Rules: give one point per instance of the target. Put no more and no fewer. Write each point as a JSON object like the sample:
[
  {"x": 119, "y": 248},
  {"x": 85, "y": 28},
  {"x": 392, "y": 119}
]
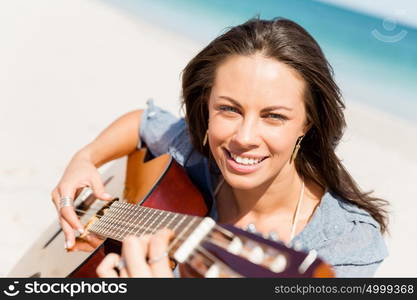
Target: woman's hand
[
  {"x": 80, "y": 172},
  {"x": 141, "y": 257}
]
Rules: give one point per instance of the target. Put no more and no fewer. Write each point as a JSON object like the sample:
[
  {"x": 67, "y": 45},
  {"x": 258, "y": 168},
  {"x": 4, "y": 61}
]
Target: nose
[{"x": 247, "y": 133}]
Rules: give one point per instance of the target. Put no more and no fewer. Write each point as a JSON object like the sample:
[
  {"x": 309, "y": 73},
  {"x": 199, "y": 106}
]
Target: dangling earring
[
  {"x": 205, "y": 139},
  {"x": 297, "y": 147}
]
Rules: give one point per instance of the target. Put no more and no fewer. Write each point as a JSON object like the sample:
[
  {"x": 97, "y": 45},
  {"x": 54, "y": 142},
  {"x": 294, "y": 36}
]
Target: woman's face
[{"x": 256, "y": 114}]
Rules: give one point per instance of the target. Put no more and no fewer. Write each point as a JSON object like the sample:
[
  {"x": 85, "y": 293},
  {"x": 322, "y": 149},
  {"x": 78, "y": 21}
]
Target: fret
[
  {"x": 178, "y": 224},
  {"x": 161, "y": 225},
  {"x": 103, "y": 222},
  {"x": 117, "y": 218},
  {"x": 125, "y": 225},
  {"x": 114, "y": 223},
  {"x": 141, "y": 224},
  {"x": 186, "y": 223},
  {"x": 154, "y": 221},
  {"x": 123, "y": 219},
  {"x": 170, "y": 246},
  {"x": 178, "y": 237},
  {"x": 166, "y": 214},
  {"x": 171, "y": 219},
  {"x": 138, "y": 220},
  {"x": 130, "y": 216},
  {"x": 130, "y": 227},
  {"x": 167, "y": 219},
  {"x": 144, "y": 227},
  {"x": 109, "y": 220}
]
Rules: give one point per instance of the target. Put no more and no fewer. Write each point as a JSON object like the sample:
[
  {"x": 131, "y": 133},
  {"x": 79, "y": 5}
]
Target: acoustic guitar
[{"x": 153, "y": 194}]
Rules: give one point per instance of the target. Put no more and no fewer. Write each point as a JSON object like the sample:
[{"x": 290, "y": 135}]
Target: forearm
[{"x": 119, "y": 139}]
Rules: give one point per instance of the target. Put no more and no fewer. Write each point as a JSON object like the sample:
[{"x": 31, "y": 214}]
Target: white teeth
[{"x": 245, "y": 160}]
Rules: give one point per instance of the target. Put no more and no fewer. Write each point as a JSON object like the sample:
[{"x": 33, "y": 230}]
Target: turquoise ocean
[{"x": 374, "y": 59}]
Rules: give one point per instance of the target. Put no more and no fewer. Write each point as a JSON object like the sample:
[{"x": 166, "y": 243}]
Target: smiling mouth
[{"x": 247, "y": 161}]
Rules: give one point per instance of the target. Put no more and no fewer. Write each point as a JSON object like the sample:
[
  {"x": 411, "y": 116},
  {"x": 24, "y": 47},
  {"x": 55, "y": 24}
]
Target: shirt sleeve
[
  {"x": 363, "y": 249},
  {"x": 356, "y": 271},
  {"x": 162, "y": 132}
]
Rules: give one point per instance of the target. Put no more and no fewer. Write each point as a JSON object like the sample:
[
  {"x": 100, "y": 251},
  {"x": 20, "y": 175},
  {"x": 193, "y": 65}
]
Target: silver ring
[
  {"x": 154, "y": 260},
  {"x": 121, "y": 264},
  {"x": 65, "y": 201}
]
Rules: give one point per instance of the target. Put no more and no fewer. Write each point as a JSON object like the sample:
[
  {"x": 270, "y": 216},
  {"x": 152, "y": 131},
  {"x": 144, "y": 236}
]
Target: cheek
[
  {"x": 220, "y": 130},
  {"x": 278, "y": 143}
]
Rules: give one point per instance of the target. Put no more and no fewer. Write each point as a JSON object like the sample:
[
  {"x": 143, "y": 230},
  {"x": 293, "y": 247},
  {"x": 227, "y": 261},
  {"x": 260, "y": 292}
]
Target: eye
[
  {"x": 276, "y": 117},
  {"x": 228, "y": 108}
]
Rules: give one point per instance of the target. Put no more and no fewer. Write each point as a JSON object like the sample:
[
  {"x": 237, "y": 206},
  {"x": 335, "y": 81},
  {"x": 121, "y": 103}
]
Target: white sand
[{"x": 70, "y": 67}]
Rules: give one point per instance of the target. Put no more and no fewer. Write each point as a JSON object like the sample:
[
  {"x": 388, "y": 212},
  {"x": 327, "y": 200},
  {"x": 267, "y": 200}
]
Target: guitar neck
[
  {"x": 123, "y": 219},
  {"x": 213, "y": 250}
]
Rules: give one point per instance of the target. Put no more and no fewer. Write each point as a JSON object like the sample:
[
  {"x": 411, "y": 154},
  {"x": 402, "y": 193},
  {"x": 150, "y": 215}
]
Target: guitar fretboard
[{"x": 123, "y": 219}]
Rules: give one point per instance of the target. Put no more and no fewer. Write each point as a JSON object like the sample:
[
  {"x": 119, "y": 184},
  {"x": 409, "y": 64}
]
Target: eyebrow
[{"x": 268, "y": 108}]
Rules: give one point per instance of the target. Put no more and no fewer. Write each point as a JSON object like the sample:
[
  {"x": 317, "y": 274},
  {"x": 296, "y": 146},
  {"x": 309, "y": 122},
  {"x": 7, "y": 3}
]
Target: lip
[{"x": 239, "y": 168}]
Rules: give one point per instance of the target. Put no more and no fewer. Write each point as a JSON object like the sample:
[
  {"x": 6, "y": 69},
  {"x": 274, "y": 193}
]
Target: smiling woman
[
  {"x": 252, "y": 141},
  {"x": 263, "y": 119},
  {"x": 260, "y": 127}
]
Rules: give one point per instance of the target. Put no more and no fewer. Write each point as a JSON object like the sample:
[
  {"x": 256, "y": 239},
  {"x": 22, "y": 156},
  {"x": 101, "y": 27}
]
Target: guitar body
[{"x": 158, "y": 183}]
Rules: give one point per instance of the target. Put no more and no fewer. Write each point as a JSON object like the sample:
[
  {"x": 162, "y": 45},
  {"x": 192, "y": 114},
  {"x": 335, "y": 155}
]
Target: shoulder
[
  {"x": 360, "y": 236},
  {"x": 162, "y": 132},
  {"x": 346, "y": 236}
]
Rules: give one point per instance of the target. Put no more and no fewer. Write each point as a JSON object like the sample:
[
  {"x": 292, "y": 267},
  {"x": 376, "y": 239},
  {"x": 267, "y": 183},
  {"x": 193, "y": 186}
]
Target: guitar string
[
  {"x": 179, "y": 237},
  {"x": 85, "y": 213},
  {"x": 131, "y": 213},
  {"x": 111, "y": 225},
  {"x": 151, "y": 229},
  {"x": 207, "y": 257},
  {"x": 214, "y": 259},
  {"x": 140, "y": 226},
  {"x": 120, "y": 220}
]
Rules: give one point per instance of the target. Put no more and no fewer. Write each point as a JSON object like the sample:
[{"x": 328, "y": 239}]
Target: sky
[{"x": 404, "y": 11}]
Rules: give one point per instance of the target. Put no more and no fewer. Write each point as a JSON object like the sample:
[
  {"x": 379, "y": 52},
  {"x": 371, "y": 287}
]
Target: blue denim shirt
[{"x": 344, "y": 235}]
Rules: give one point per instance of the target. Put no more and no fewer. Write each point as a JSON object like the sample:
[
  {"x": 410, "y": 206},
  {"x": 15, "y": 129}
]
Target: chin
[{"x": 240, "y": 182}]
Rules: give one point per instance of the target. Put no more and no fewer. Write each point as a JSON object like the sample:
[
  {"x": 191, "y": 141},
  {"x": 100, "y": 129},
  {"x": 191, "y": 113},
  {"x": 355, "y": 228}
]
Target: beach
[{"x": 70, "y": 68}]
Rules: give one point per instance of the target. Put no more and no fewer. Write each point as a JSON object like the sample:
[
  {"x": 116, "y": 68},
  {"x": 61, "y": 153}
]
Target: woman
[{"x": 263, "y": 119}]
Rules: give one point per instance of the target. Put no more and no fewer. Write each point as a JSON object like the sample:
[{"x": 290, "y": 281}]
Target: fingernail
[
  {"x": 80, "y": 230},
  {"x": 68, "y": 244},
  {"x": 106, "y": 195}
]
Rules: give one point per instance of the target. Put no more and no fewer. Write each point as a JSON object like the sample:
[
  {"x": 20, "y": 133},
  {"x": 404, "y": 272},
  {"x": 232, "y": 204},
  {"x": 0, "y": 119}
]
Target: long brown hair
[{"x": 289, "y": 43}]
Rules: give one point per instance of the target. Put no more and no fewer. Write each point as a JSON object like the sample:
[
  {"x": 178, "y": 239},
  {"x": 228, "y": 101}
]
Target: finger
[
  {"x": 123, "y": 272},
  {"x": 107, "y": 267},
  {"x": 93, "y": 239},
  {"x": 55, "y": 198},
  {"x": 87, "y": 242},
  {"x": 98, "y": 189},
  {"x": 158, "y": 247},
  {"x": 68, "y": 212},
  {"x": 69, "y": 234},
  {"x": 66, "y": 228},
  {"x": 134, "y": 251}
]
